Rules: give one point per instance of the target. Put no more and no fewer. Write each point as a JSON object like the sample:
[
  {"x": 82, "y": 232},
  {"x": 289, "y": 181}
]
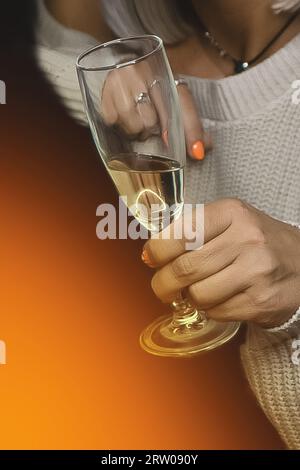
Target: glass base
[{"x": 164, "y": 338}]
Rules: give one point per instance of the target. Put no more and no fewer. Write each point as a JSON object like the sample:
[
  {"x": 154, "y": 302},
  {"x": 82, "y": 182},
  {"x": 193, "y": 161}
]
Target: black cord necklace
[{"x": 240, "y": 65}]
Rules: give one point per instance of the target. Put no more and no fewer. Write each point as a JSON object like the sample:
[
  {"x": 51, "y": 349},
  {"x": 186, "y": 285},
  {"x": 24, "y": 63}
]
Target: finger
[
  {"x": 194, "y": 266},
  {"x": 197, "y": 140},
  {"x": 159, "y": 104},
  {"x": 129, "y": 121},
  {"x": 119, "y": 91},
  {"x": 218, "y": 288},
  {"x": 108, "y": 109},
  {"x": 217, "y": 220},
  {"x": 236, "y": 308},
  {"x": 149, "y": 119}
]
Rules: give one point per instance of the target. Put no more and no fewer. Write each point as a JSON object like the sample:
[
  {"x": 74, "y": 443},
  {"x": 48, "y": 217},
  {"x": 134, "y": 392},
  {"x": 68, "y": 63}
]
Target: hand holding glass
[{"x": 133, "y": 110}]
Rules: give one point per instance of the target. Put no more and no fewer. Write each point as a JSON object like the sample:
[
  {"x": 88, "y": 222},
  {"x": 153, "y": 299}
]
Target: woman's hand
[
  {"x": 248, "y": 268},
  {"x": 121, "y": 107}
]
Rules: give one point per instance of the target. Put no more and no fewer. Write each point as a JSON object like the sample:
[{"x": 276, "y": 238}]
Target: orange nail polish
[
  {"x": 165, "y": 137},
  {"x": 146, "y": 259},
  {"x": 198, "y": 151}
]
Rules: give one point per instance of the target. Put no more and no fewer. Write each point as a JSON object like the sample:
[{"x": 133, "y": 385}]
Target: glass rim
[{"x": 84, "y": 54}]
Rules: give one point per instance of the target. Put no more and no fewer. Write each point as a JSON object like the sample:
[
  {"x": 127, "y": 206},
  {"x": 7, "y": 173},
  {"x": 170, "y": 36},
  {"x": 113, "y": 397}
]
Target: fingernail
[
  {"x": 165, "y": 137},
  {"x": 146, "y": 259},
  {"x": 198, "y": 151}
]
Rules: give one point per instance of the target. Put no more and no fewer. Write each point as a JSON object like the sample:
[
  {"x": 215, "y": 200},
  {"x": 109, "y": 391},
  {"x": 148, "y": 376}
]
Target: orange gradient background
[{"x": 72, "y": 308}]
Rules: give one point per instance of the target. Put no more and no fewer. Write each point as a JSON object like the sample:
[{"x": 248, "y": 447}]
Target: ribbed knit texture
[
  {"x": 275, "y": 380},
  {"x": 255, "y": 131},
  {"x": 256, "y": 157}
]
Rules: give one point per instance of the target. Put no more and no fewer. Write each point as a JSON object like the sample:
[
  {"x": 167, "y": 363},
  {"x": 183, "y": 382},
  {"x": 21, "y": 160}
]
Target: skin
[
  {"x": 85, "y": 16},
  {"x": 82, "y": 15},
  {"x": 194, "y": 57},
  {"x": 249, "y": 266},
  {"x": 243, "y": 28}
]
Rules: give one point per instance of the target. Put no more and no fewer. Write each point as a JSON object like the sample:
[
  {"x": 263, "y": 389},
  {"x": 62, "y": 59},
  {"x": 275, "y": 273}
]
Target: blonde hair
[{"x": 161, "y": 17}]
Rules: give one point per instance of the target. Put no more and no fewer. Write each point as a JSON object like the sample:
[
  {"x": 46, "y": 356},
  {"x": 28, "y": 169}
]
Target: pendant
[{"x": 240, "y": 66}]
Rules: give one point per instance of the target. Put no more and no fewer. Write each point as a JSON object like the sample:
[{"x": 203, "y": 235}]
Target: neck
[{"x": 242, "y": 28}]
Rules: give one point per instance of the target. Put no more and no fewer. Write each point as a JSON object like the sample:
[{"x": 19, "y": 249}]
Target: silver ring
[
  {"x": 153, "y": 84},
  {"x": 180, "y": 81},
  {"x": 143, "y": 98}
]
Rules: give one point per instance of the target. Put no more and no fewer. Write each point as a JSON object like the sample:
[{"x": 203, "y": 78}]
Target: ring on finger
[
  {"x": 153, "y": 84},
  {"x": 143, "y": 98},
  {"x": 180, "y": 81}
]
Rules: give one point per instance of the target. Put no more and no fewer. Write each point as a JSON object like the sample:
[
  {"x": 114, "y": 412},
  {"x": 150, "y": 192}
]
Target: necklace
[{"x": 240, "y": 65}]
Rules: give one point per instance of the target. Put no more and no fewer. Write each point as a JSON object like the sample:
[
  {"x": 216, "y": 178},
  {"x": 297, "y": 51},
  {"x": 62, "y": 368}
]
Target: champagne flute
[{"x": 132, "y": 106}]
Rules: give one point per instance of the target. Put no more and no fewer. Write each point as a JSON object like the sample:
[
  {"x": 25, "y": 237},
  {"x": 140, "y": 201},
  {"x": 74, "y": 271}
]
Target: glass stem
[{"x": 185, "y": 315}]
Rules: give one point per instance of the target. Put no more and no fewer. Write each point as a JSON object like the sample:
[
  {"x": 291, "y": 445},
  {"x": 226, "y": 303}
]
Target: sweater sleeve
[
  {"x": 271, "y": 360},
  {"x": 60, "y": 70}
]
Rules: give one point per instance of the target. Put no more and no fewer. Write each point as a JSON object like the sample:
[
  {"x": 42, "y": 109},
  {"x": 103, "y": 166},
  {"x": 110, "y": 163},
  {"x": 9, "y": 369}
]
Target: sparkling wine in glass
[
  {"x": 132, "y": 106},
  {"x": 152, "y": 184}
]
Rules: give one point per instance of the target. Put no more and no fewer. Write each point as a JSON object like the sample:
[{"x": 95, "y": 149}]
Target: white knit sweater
[{"x": 256, "y": 157}]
